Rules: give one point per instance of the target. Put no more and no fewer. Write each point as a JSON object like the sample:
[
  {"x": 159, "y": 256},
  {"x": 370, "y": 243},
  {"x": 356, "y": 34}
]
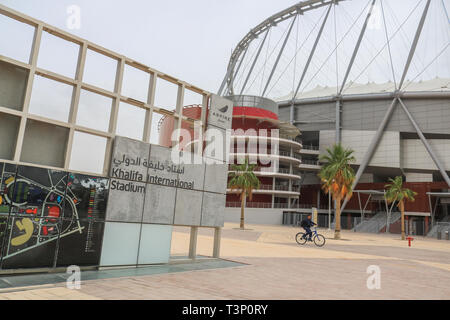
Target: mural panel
[
  {"x": 82, "y": 225},
  {"x": 52, "y": 218},
  {"x": 7, "y": 176},
  {"x": 83, "y": 246}
]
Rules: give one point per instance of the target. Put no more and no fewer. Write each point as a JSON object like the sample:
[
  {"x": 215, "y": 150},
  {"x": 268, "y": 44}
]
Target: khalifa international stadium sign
[{"x": 146, "y": 186}]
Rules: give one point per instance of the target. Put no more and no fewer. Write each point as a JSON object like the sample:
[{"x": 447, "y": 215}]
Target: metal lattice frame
[{"x": 78, "y": 84}]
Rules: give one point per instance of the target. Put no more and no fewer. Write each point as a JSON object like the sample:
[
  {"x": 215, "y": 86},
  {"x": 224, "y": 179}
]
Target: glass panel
[
  {"x": 166, "y": 94},
  {"x": 162, "y": 128},
  {"x": 94, "y": 110},
  {"x": 13, "y": 84},
  {"x": 130, "y": 122},
  {"x": 51, "y": 99},
  {"x": 135, "y": 83},
  {"x": 191, "y": 97},
  {"x": 58, "y": 55},
  {"x": 88, "y": 152},
  {"x": 44, "y": 144},
  {"x": 9, "y": 127},
  {"x": 151, "y": 234},
  {"x": 100, "y": 70},
  {"x": 17, "y": 39},
  {"x": 120, "y": 244}
]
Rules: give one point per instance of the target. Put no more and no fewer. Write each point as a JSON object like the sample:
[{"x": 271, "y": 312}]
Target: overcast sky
[{"x": 191, "y": 40}]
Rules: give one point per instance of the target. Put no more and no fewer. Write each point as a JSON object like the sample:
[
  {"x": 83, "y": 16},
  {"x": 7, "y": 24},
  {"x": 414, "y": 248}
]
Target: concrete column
[
  {"x": 318, "y": 199},
  {"x": 193, "y": 243},
  {"x": 217, "y": 237}
]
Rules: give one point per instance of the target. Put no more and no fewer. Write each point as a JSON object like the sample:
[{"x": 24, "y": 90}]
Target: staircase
[
  {"x": 433, "y": 232},
  {"x": 373, "y": 224},
  {"x": 377, "y": 223}
]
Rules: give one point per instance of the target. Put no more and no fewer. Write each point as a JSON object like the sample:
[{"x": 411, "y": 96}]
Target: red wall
[{"x": 421, "y": 204}]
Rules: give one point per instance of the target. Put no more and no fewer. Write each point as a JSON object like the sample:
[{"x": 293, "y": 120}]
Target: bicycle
[{"x": 319, "y": 240}]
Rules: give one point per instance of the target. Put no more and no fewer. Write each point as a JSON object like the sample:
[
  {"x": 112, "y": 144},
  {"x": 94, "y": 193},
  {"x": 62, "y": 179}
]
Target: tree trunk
[
  {"x": 242, "y": 210},
  {"x": 337, "y": 227},
  {"x": 402, "y": 210}
]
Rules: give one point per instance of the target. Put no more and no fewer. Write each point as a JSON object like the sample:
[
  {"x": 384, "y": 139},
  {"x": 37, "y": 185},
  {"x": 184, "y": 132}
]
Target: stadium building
[{"x": 372, "y": 75}]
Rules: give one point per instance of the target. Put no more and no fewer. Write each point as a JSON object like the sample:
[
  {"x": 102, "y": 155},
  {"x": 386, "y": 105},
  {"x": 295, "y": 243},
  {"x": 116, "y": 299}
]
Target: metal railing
[
  {"x": 443, "y": 230},
  {"x": 310, "y": 147},
  {"x": 284, "y": 153},
  {"x": 312, "y": 162},
  {"x": 255, "y": 134},
  {"x": 261, "y": 205},
  {"x": 267, "y": 169},
  {"x": 284, "y": 170}
]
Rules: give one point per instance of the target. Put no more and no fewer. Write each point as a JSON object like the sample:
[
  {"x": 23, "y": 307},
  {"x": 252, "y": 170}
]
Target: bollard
[
  {"x": 439, "y": 235},
  {"x": 446, "y": 235},
  {"x": 409, "y": 241}
]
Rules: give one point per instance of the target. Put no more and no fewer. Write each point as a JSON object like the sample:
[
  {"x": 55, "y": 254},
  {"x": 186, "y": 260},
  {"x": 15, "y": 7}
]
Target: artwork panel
[
  {"x": 86, "y": 197},
  {"x": 80, "y": 242},
  {"x": 30, "y": 243}
]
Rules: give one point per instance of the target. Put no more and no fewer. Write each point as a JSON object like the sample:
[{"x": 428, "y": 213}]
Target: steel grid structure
[{"x": 78, "y": 84}]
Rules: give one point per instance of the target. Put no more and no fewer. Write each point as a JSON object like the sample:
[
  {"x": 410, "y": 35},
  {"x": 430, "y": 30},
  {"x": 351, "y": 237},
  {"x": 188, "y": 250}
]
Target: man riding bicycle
[{"x": 307, "y": 224}]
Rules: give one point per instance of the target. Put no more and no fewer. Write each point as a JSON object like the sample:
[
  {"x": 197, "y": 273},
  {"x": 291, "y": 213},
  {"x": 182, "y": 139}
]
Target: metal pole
[
  {"x": 225, "y": 79},
  {"x": 311, "y": 54},
  {"x": 305, "y": 69},
  {"x": 358, "y": 43},
  {"x": 279, "y": 55},
  {"x": 254, "y": 61},
  {"x": 237, "y": 70},
  {"x": 414, "y": 44}
]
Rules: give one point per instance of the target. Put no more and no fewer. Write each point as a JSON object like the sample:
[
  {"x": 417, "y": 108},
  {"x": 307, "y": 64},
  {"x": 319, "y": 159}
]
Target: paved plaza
[{"x": 270, "y": 265}]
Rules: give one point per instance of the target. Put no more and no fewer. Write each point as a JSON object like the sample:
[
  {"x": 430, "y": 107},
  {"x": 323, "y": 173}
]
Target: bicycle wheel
[
  {"x": 299, "y": 238},
  {"x": 319, "y": 240}
]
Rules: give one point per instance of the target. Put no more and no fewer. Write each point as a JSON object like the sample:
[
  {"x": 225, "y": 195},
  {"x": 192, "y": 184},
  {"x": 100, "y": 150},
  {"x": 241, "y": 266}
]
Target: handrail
[
  {"x": 267, "y": 205},
  {"x": 310, "y": 147},
  {"x": 255, "y": 134}
]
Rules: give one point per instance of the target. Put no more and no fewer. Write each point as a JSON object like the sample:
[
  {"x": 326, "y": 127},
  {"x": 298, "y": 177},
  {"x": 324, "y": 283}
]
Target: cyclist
[{"x": 307, "y": 224}]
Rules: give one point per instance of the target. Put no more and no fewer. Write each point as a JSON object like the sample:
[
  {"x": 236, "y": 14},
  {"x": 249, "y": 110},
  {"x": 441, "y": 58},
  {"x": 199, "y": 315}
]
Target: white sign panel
[{"x": 221, "y": 112}]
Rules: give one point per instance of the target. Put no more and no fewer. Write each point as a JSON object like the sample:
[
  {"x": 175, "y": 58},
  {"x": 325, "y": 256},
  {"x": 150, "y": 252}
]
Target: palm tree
[
  {"x": 396, "y": 192},
  {"x": 337, "y": 177},
  {"x": 243, "y": 179}
]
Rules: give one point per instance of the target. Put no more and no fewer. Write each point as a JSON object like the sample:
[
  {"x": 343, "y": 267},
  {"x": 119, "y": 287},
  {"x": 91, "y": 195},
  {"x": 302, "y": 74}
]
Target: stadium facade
[{"x": 372, "y": 75}]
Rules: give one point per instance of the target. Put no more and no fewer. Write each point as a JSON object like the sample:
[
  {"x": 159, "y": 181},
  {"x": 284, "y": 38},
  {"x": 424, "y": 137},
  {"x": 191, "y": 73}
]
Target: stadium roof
[{"x": 436, "y": 85}]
